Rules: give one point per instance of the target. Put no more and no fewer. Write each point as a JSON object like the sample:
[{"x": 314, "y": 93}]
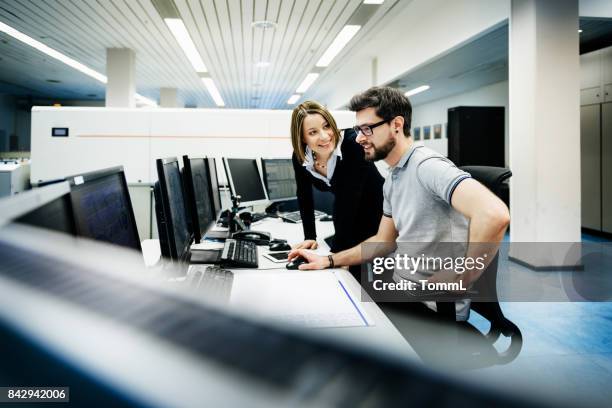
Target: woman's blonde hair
[{"x": 297, "y": 122}]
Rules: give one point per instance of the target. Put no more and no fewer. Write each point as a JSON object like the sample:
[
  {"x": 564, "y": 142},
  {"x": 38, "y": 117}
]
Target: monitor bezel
[
  {"x": 265, "y": 178},
  {"x": 230, "y": 181},
  {"x": 192, "y": 202},
  {"x": 184, "y": 256},
  {"x": 214, "y": 184},
  {"x": 77, "y": 180},
  {"x": 17, "y": 205}
]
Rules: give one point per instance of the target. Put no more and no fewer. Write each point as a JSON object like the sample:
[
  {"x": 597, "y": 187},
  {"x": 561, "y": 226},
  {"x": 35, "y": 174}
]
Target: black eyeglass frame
[{"x": 370, "y": 128}]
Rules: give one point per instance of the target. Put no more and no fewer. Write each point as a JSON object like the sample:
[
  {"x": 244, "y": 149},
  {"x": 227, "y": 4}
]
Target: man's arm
[
  {"x": 489, "y": 219},
  {"x": 385, "y": 237}
]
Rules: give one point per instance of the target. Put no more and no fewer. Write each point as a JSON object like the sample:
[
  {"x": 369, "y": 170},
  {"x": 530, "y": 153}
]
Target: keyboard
[
  {"x": 251, "y": 363},
  {"x": 239, "y": 253},
  {"x": 213, "y": 281},
  {"x": 295, "y": 216}
]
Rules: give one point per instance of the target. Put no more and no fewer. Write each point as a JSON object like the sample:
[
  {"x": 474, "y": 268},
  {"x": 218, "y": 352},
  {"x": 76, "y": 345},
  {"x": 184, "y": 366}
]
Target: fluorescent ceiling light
[
  {"x": 18, "y": 35},
  {"x": 145, "y": 101},
  {"x": 52, "y": 53},
  {"x": 417, "y": 90},
  {"x": 213, "y": 91},
  {"x": 294, "y": 98},
  {"x": 343, "y": 37},
  {"x": 310, "y": 78},
  {"x": 262, "y": 64},
  {"x": 373, "y": 1},
  {"x": 178, "y": 29}
]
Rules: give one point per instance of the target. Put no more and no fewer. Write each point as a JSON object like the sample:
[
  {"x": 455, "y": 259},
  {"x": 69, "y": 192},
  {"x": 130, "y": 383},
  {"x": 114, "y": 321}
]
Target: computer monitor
[
  {"x": 173, "y": 202},
  {"x": 160, "y": 216},
  {"x": 279, "y": 179},
  {"x": 46, "y": 207},
  {"x": 214, "y": 186},
  {"x": 102, "y": 207},
  {"x": 198, "y": 196},
  {"x": 245, "y": 180}
]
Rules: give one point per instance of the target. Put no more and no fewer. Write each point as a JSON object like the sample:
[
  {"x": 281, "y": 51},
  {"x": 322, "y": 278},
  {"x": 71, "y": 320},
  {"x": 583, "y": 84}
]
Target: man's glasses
[{"x": 368, "y": 130}]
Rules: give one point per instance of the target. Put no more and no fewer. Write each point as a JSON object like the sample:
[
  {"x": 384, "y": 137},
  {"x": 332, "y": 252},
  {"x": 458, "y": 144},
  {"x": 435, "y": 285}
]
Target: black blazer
[{"x": 357, "y": 188}]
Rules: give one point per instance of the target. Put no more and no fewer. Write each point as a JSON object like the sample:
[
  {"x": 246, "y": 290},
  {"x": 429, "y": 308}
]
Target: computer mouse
[
  {"x": 280, "y": 246},
  {"x": 326, "y": 218},
  {"x": 296, "y": 262}
]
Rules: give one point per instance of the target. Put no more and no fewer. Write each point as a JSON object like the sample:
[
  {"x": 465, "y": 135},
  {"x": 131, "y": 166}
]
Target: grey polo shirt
[{"x": 417, "y": 195}]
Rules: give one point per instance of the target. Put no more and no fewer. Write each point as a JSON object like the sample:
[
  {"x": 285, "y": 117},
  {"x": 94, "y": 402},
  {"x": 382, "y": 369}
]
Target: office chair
[{"x": 493, "y": 178}]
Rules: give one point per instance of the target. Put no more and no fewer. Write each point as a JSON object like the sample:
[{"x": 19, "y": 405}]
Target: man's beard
[{"x": 381, "y": 152}]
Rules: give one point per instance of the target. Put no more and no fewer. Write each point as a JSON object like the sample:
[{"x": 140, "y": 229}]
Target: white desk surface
[{"x": 381, "y": 335}]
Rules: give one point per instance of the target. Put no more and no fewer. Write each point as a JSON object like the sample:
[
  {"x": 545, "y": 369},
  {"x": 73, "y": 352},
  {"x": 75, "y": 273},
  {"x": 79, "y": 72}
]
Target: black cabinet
[{"x": 476, "y": 135}]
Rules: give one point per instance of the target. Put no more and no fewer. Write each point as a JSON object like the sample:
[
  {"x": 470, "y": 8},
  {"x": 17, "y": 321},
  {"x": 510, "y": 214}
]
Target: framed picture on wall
[
  {"x": 437, "y": 133},
  {"x": 416, "y": 133},
  {"x": 426, "y": 132}
]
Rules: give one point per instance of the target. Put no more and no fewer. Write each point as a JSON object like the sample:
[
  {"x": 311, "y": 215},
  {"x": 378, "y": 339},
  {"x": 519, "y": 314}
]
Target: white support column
[
  {"x": 544, "y": 107},
  {"x": 168, "y": 98},
  {"x": 121, "y": 73}
]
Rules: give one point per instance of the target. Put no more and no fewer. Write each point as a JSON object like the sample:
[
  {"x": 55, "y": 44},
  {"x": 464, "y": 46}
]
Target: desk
[{"x": 382, "y": 334}]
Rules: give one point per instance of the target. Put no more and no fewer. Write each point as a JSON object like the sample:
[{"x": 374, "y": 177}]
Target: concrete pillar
[
  {"x": 121, "y": 73},
  {"x": 544, "y": 126},
  {"x": 168, "y": 98}
]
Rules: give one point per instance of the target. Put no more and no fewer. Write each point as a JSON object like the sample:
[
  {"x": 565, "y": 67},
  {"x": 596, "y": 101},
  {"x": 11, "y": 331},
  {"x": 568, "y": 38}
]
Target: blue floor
[
  {"x": 567, "y": 349},
  {"x": 566, "y": 356}
]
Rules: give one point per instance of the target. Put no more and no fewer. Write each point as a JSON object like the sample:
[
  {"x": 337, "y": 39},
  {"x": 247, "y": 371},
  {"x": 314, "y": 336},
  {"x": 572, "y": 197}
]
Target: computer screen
[
  {"x": 279, "y": 179},
  {"x": 102, "y": 207},
  {"x": 198, "y": 196},
  {"x": 179, "y": 237},
  {"x": 244, "y": 180},
  {"x": 46, "y": 207}
]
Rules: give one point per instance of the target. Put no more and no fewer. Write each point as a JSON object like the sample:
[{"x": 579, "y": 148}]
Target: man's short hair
[{"x": 388, "y": 102}]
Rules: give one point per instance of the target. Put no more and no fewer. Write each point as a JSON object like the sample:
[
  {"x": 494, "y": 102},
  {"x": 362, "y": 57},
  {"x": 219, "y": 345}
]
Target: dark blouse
[{"x": 357, "y": 188}]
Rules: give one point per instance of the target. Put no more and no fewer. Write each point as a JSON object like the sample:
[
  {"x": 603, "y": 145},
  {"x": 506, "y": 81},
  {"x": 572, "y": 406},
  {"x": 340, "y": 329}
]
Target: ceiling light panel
[
  {"x": 417, "y": 90},
  {"x": 222, "y": 33},
  {"x": 213, "y": 91},
  {"x": 26, "y": 39},
  {"x": 344, "y": 36},
  {"x": 310, "y": 78},
  {"x": 179, "y": 31},
  {"x": 51, "y": 52}
]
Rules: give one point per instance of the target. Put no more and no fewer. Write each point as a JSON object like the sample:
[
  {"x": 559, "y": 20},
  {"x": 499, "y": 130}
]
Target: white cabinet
[
  {"x": 606, "y": 167},
  {"x": 590, "y": 166},
  {"x": 590, "y": 70},
  {"x": 596, "y": 77},
  {"x": 606, "y": 65},
  {"x": 596, "y": 166},
  {"x": 608, "y": 93}
]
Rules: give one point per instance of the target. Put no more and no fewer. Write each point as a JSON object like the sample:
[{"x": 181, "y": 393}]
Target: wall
[
  {"x": 437, "y": 112},
  {"x": 7, "y": 120},
  {"x": 134, "y": 138}
]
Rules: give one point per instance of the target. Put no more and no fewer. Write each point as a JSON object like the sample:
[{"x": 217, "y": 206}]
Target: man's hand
[
  {"x": 307, "y": 244},
  {"x": 315, "y": 262}
]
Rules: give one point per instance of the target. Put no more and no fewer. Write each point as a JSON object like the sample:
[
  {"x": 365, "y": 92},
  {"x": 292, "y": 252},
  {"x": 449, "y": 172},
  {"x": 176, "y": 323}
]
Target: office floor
[{"x": 566, "y": 355}]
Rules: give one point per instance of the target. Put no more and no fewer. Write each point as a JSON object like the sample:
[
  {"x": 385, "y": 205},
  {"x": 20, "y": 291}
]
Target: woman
[{"x": 330, "y": 162}]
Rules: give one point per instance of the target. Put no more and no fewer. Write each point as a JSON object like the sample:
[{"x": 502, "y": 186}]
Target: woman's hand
[{"x": 308, "y": 244}]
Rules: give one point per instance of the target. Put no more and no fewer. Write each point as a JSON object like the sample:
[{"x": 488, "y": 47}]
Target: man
[{"x": 427, "y": 199}]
